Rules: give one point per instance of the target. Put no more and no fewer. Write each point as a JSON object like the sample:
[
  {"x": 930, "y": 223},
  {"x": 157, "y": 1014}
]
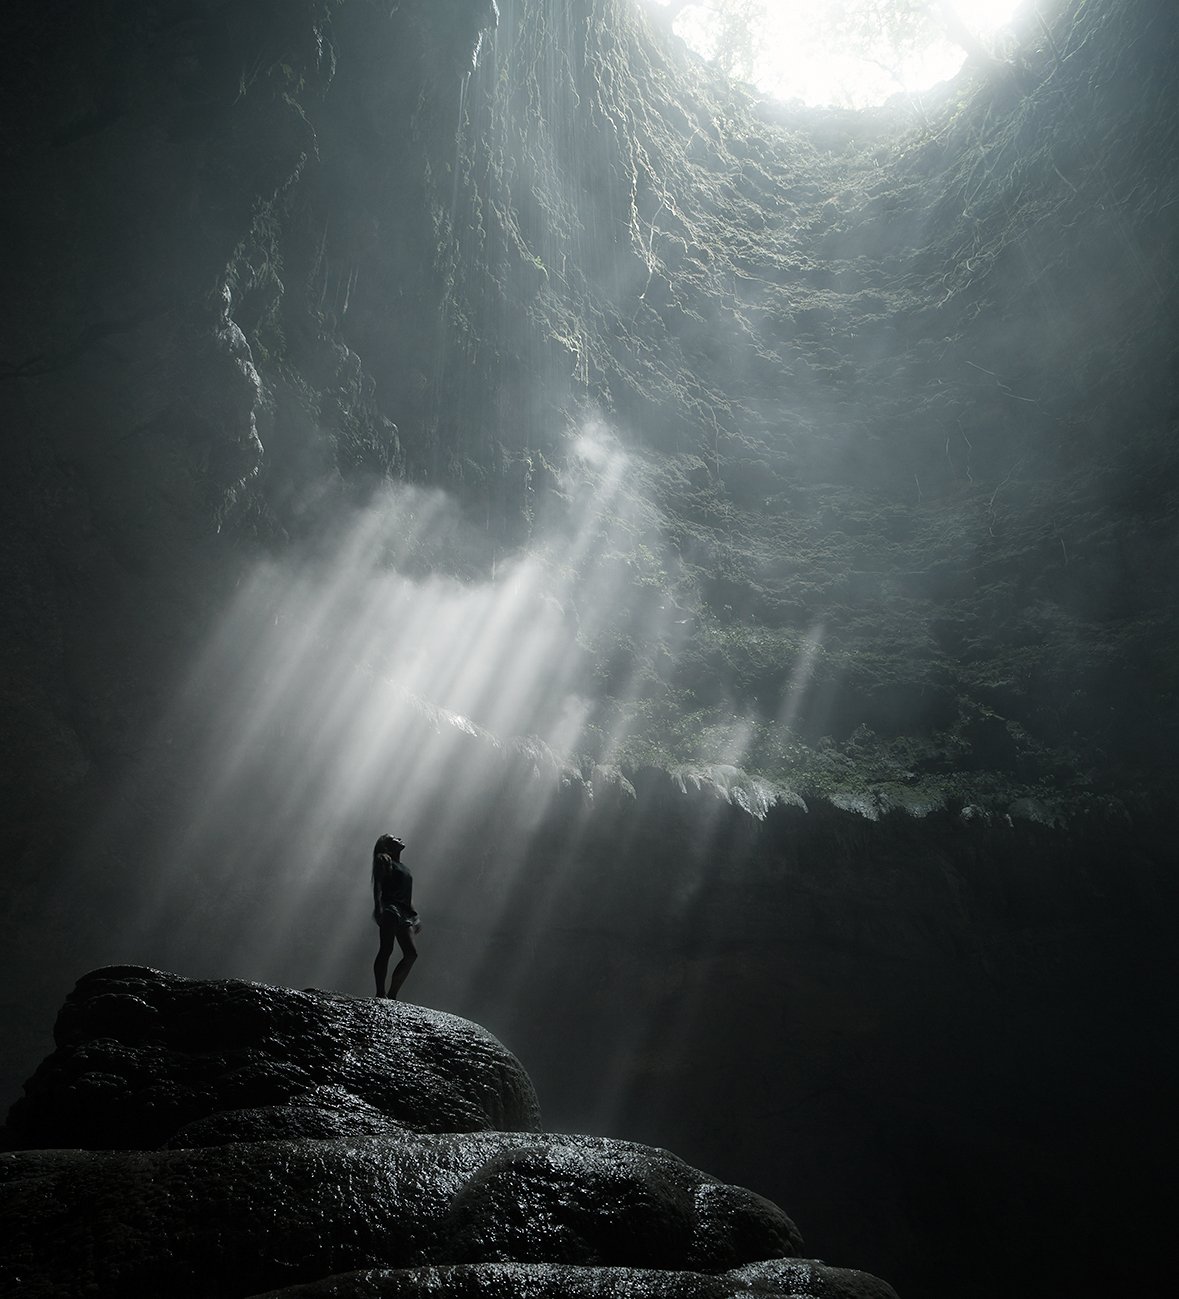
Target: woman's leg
[
  {"x": 381, "y": 964},
  {"x": 409, "y": 955}
]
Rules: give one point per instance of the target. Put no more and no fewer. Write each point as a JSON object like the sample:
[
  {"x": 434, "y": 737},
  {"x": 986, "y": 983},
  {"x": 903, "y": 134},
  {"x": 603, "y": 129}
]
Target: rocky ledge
[
  {"x": 239, "y": 1139},
  {"x": 146, "y": 1058}
]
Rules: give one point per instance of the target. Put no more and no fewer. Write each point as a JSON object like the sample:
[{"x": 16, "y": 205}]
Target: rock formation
[
  {"x": 145, "y": 1058},
  {"x": 272, "y": 1178}
]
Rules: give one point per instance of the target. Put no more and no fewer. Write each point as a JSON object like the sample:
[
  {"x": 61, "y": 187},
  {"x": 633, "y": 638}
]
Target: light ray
[{"x": 341, "y": 695}]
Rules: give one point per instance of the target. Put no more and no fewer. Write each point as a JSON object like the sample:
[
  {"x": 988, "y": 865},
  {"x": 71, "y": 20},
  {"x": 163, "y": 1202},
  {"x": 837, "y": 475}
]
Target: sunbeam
[{"x": 352, "y": 691}]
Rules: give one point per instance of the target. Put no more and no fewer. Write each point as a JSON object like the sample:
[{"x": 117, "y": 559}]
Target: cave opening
[{"x": 845, "y": 53}]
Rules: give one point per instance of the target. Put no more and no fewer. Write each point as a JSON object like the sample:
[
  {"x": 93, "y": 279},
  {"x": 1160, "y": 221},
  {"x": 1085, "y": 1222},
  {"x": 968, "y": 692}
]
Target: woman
[{"x": 393, "y": 911}]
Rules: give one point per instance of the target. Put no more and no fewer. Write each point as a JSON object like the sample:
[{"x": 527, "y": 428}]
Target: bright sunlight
[{"x": 845, "y": 53}]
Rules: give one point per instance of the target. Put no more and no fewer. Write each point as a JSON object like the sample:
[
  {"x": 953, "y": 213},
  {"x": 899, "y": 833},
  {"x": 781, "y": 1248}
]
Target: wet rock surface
[
  {"x": 144, "y": 1057},
  {"x": 587, "y": 1215},
  {"x": 284, "y": 1211},
  {"x": 804, "y": 1279}
]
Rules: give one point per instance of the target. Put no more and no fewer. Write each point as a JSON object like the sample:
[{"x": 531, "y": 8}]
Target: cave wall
[
  {"x": 904, "y": 377},
  {"x": 884, "y": 396},
  {"x": 900, "y": 383}
]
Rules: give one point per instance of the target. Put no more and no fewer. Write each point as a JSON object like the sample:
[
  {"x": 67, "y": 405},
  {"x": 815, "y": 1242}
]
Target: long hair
[
  {"x": 382, "y": 861},
  {"x": 383, "y": 847}
]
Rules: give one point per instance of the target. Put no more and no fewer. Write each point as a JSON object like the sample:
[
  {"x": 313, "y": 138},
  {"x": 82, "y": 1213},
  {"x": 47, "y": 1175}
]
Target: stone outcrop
[
  {"x": 778, "y": 1277},
  {"x": 447, "y": 1208},
  {"x": 145, "y": 1057}
]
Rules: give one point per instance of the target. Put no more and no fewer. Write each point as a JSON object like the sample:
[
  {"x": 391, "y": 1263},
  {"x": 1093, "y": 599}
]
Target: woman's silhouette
[{"x": 393, "y": 911}]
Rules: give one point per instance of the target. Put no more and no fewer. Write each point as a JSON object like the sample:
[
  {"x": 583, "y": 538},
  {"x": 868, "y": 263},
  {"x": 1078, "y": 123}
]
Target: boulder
[
  {"x": 142, "y": 1054},
  {"x": 284, "y": 1123},
  {"x": 239, "y": 1218},
  {"x": 778, "y": 1277},
  {"x": 314, "y": 1144}
]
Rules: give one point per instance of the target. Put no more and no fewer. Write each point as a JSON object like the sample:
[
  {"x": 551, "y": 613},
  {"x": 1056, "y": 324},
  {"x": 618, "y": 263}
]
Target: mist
[{"x": 353, "y": 685}]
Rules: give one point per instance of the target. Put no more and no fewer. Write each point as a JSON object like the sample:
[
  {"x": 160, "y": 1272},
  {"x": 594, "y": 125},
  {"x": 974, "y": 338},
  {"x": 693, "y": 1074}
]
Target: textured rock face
[
  {"x": 454, "y": 1210},
  {"x": 804, "y": 1279},
  {"x": 297, "y": 1210},
  {"x": 144, "y": 1057}
]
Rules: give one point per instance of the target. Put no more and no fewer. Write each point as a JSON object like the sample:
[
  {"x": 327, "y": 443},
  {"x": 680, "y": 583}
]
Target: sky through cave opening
[{"x": 843, "y": 53}]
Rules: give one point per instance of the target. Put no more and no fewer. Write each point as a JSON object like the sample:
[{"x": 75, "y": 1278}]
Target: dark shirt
[{"x": 394, "y": 893}]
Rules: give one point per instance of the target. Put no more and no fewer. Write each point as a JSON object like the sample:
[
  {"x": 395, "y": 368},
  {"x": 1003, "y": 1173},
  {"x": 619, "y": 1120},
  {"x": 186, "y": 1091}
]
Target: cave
[{"x": 732, "y": 542}]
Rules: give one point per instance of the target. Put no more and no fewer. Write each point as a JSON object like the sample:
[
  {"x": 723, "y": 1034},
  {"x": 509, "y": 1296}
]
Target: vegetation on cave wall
[{"x": 894, "y": 387}]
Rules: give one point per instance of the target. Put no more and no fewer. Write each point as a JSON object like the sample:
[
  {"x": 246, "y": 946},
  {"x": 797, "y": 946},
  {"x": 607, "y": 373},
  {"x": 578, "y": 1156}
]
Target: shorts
[{"x": 396, "y": 920}]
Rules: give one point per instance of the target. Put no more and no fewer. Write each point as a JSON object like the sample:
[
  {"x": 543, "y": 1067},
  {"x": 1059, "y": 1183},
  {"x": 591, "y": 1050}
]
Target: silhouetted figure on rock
[{"x": 393, "y": 911}]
